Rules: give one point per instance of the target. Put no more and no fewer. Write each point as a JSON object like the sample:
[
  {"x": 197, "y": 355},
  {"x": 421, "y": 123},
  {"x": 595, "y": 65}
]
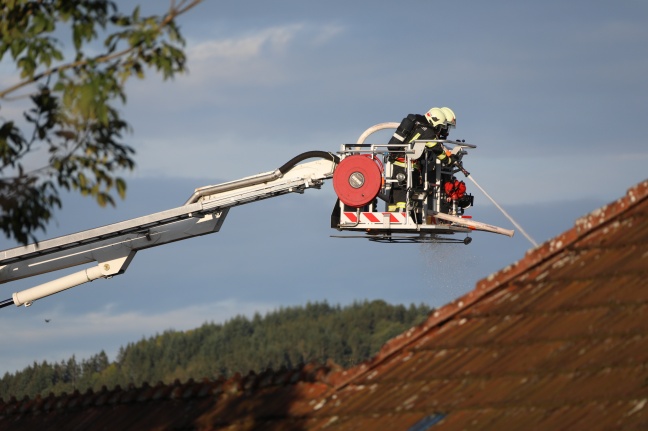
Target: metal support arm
[{"x": 114, "y": 246}]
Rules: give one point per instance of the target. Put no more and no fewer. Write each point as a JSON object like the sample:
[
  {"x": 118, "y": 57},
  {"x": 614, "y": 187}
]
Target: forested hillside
[{"x": 283, "y": 338}]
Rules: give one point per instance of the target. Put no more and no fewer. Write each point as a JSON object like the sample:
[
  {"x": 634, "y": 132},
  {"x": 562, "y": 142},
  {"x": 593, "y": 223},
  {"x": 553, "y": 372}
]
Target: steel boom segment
[{"x": 114, "y": 246}]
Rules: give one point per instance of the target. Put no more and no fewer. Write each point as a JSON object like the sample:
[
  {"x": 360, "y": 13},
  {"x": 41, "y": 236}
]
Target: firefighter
[
  {"x": 413, "y": 127},
  {"x": 437, "y": 148},
  {"x": 451, "y": 121}
]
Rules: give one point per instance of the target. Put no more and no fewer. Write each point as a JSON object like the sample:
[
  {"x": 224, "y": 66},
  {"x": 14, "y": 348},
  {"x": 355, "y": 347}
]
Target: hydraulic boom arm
[
  {"x": 423, "y": 202},
  {"x": 113, "y": 247}
]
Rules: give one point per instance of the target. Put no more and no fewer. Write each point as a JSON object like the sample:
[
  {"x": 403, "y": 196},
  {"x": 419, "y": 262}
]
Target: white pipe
[
  {"x": 28, "y": 296},
  {"x": 474, "y": 224},
  {"x": 375, "y": 128}
]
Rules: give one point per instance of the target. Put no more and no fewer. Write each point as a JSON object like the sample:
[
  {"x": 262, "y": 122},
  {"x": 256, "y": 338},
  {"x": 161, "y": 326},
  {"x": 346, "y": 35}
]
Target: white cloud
[
  {"x": 327, "y": 33},
  {"x": 226, "y": 71},
  {"x": 246, "y": 47},
  {"x": 259, "y": 57},
  {"x": 107, "y": 322}
]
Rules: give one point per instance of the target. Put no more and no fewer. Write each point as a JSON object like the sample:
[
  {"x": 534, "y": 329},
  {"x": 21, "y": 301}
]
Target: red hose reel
[{"x": 357, "y": 180}]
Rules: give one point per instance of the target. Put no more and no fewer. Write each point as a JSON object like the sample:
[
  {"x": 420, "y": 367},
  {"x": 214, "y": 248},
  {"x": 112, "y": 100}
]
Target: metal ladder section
[{"x": 114, "y": 246}]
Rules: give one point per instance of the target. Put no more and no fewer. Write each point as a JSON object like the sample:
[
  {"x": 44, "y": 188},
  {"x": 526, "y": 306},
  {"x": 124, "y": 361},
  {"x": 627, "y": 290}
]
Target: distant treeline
[{"x": 287, "y": 338}]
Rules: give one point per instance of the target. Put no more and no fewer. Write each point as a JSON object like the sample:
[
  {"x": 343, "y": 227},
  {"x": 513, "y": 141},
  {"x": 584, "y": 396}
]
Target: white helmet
[
  {"x": 451, "y": 119},
  {"x": 436, "y": 117}
]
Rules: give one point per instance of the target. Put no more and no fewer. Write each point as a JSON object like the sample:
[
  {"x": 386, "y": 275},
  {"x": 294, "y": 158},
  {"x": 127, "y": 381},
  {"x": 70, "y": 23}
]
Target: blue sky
[{"x": 554, "y": 94}]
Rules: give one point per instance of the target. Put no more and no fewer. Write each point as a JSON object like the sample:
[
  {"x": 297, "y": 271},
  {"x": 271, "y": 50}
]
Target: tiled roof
[
  {"x": 221, "y": 404},
  {"x": 558, "y": 340}
]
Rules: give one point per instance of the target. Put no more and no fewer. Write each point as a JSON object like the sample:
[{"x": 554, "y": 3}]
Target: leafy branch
[{"x": 72, "y": 121}]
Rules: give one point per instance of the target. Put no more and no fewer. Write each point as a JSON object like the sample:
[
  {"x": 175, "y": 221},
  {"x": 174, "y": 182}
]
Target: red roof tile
[{"x": 558, "y": 340}]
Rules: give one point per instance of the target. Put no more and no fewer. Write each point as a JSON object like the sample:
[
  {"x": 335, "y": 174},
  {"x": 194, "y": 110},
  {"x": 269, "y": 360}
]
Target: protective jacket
[{"x": 414, "y": 127}]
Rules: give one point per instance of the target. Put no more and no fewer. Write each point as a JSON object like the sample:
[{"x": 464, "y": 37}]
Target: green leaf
[
  {"x": 27, "y": 65},
  {"x": 74, "y": 115},
  {"x": 120, "y": 184},
  {"x": 82, "y": 181}
]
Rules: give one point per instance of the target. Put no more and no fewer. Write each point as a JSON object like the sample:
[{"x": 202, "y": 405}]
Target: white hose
[
  {"x": 375, "y": 128},
  {"x": 531, "y": 240}
]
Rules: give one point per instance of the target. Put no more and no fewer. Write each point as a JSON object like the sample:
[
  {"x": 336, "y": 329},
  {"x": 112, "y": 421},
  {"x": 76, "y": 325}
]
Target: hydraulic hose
[{"x": 307, "y": 155}]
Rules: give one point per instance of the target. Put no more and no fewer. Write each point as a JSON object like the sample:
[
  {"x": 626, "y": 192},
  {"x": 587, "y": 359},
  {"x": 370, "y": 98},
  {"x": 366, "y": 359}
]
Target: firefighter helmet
[
  {"x": 451, "y": 119},
  {"x": 436, "y": 117}
]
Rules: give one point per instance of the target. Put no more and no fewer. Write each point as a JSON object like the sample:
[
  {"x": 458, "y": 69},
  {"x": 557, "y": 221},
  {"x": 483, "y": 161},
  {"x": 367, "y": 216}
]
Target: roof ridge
[
  {"x": 582, "y": 226},
  {"x": 534, "y": 257}
]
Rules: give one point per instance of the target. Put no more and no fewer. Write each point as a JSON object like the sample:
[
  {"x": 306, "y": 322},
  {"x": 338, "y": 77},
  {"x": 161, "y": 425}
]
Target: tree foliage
[
  {"x": 285, "y": 338},
  {"x": 70, "y": 134}
]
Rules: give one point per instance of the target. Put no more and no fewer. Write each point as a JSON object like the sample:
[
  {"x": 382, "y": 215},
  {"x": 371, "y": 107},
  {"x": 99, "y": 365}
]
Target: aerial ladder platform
[{"x": 362, "y": 175}]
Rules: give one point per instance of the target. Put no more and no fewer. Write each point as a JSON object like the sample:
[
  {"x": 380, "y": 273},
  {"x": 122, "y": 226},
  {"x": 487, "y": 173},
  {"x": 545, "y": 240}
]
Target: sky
[{"x": 553, "y": 94}]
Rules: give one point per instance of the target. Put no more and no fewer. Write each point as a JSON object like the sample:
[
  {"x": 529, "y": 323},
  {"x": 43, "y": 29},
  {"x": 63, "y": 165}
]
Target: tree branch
[{"x": 170, "y": 16}]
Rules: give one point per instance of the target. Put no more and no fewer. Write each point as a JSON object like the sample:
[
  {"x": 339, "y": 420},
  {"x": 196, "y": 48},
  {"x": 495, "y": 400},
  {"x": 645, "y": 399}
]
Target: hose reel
[{"x": 357, "y": 180}]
